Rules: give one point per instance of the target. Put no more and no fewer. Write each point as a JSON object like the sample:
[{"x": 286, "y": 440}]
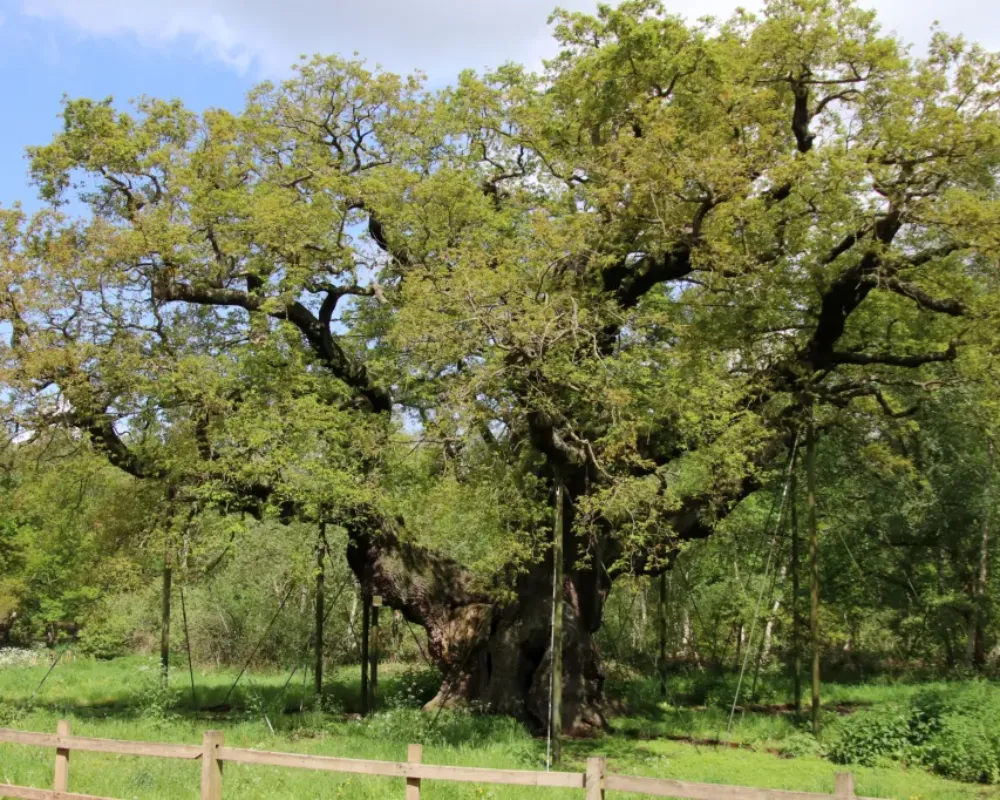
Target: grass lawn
[{"x": 121, "y": 700}]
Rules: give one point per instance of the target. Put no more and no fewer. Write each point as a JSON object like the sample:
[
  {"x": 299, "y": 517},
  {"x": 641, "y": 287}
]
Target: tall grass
[{"x": 120, "y": 700}]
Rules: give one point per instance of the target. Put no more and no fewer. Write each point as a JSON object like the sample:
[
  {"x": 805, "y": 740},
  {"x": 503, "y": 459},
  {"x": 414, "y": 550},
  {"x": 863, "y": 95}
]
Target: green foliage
[
  {"x": 109, "y": 636},
  {"x": 951, "y": 731},
  {"x": 68, "y": 527},
  {"x": 800, "y": 744},
  {"x": 870, "y": 736},
  {"x": 413, "y": 688},
  {"x": 156, "y": 699},
  {"x": 407, "y": 314}
]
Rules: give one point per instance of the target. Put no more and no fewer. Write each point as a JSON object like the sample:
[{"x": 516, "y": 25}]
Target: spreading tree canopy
[{"x": 633, "y": 275}]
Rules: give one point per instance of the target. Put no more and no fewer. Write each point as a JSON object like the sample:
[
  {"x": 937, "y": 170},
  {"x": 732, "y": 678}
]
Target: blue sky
[
  {"x": 210, "y": 52},
  {"x": 41, "y": 61}
]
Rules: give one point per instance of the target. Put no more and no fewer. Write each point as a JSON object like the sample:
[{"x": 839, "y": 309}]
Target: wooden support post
[
  {"x": 211, "y": 766},
  {"x": 596, "y": 766},
  {"x": 845, "y": 786},
  {"x": 982, "y": 582},
  {"x": 61, "y": 781},
  {"x": 813, "y": 571},
  {"x": 796, "y": 598},
  {"x": 414, "y": 754},
  {"x": 187, "y": 645},
  {"x": 165, "y": 623},
  {"x": 376, "y": 605},
  {"x": 320, "y": 614},
  {"x": 366, "y": 607},
  {"x": 661, "y": 620},
  {"x": 557, "y": 627}
]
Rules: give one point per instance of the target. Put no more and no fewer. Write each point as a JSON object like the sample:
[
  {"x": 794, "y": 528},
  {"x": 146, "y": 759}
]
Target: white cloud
[{"x": 438, "y": 36}]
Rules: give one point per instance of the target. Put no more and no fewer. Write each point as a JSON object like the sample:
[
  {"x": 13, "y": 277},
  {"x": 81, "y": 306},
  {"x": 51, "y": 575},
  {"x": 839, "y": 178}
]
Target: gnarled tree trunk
[{"x": 496, "y": 656}]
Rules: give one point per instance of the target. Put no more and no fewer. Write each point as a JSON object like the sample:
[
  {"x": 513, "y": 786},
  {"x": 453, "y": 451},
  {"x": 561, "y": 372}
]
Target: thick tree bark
[{"x": 495, "y": 656}]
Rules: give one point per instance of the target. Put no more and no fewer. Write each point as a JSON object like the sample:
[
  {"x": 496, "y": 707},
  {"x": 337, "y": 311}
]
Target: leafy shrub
[
  {"x": 704, "y": 688},
  {"x": 110, "y": 632},
  {"x": 413, "y": 688},
  {"x": 966, "y": 749},
  {"x": 962, "y": 729},
  {"x": 954, "y": 732},
  {"x": 799, "y": 744},
  {"x": 873, "y": 736},
  {"x": 156, "y": 700},
  {"x": 103, "y": 642},
  {"x": 10, "y": 713}
]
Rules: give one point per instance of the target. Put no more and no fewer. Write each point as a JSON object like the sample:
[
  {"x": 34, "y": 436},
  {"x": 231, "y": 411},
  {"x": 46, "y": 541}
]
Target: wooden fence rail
[{"x": 213, "y": 754}]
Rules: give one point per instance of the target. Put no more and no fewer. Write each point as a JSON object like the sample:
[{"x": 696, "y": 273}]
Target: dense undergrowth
[
  {"x": 954, "y": 731},
  {"x": 951, "y": 728}
]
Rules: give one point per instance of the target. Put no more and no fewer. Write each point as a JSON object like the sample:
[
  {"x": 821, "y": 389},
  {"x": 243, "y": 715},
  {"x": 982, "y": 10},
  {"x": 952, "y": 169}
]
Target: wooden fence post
[
  {"x": 414, "y": 754},
  {"x": 845, "y": 785},
  {"x": 61, "y": 781},
  {"x": 596, "y": 767},
  {"x": 211, "y": 767}
]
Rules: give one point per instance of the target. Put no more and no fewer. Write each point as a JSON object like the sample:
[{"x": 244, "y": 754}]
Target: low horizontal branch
[
  {"x": 893, "y": 359},
  {"x": 942, "y": 305}
]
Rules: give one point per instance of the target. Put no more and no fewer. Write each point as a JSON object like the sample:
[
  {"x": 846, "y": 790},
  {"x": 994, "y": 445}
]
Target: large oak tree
[{"x": 632, "y": 275}]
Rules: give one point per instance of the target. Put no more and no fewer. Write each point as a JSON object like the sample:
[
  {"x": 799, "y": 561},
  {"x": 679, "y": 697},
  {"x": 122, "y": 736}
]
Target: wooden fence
[{"x": 213, "y": 754}]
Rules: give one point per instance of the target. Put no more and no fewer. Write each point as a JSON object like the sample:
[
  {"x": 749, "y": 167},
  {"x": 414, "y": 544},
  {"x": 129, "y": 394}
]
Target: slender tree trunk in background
[
  {"x": 813, "y": 570},
  {"x": 168, "y": 573},
  {"x": 350, "y": 621},
  {"x": 970, "y": 625},
  {"x": 796, "y": 598},
  {"x": 366, "y": 601},
  {"x": 320, "y": 614},
  {"x": 714, "y": 654},
  {"x": 946, "y": 630},
  {"x": 983, "y": 575},
  {"x": 769, "y": 628},
  {"x": 639, "y": 626},
  {"x": 661, "y": 619},
  {"x": 765, "y": 643},
  {"x": 687, "y": 639},
  {"x": 555, "y": 728}
]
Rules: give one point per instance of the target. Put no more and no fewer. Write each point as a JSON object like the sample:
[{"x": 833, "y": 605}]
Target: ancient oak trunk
[{"x": 493, "y": 655}]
